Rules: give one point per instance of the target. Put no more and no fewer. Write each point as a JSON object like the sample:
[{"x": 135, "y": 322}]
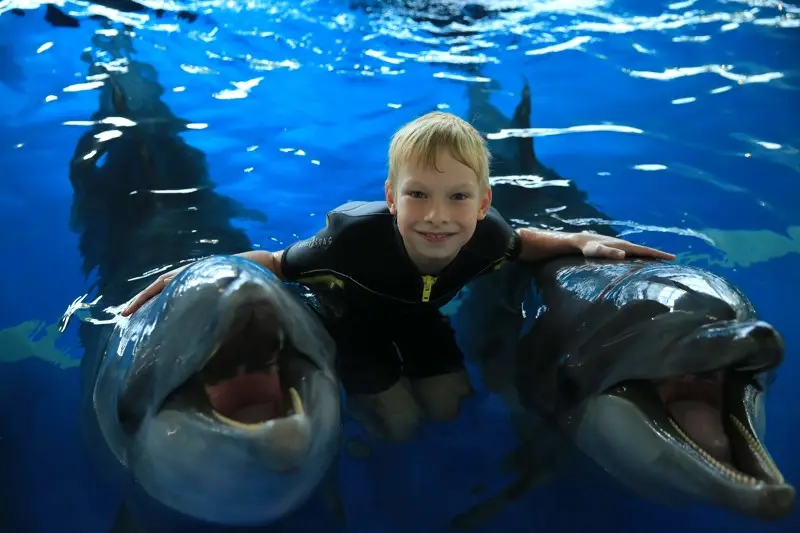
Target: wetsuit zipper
[
  {"x": 427, "y": 287},
  {"x": 427, "y": 282}
]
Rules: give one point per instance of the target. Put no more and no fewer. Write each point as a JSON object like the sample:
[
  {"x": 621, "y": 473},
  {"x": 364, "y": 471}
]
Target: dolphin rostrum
[
  {"x": 658, "y": 372},
  {"x": 217, "y": 400}
]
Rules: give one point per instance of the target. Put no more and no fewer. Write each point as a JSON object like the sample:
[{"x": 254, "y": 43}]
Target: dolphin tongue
[
  {"x": 248, "y": 398},
  {"x": 695, "y": 404},
  {"x": 703, "y": 424}
]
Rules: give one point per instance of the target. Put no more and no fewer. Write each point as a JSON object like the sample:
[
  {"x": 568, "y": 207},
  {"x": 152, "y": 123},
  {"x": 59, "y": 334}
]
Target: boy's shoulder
[
  {"x": 358, "y": 214},
  {"x": 493, "y": 223},
  {"x": 494, "y": 216},
  {"x": 493, "y": 236},
  {"x": 352, "y": 227},
  {"x": 360, "y": 209}
]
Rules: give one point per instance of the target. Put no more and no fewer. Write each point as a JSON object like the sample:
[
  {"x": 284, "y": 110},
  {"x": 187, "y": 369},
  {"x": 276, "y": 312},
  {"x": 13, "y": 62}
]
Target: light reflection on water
[
  {"x": 675, "y": 119},
  {"x": 422, "y": 55}
]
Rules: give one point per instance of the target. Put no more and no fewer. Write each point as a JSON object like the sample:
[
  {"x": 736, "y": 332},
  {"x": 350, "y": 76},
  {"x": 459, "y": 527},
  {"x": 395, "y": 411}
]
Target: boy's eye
[
  {"x": 460, "y": 196},
  {"x": 416, "y": 194}
]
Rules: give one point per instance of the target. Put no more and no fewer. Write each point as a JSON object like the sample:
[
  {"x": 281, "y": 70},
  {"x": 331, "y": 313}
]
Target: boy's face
[{"x": 437, "y": 210}]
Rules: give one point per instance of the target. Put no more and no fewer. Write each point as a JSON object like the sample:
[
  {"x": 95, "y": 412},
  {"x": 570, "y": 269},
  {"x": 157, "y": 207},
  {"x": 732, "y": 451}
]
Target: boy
[{"x": 393, "y": 264}]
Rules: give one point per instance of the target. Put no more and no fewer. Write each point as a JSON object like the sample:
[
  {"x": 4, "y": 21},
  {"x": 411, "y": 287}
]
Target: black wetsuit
[{"x": 376, "y": 298}]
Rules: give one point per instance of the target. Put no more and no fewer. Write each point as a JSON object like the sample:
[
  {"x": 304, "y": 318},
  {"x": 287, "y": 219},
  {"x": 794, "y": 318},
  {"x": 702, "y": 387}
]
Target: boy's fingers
[
  {"x": 646, "y": 251},
  {"x": 133, "y": 306},
  {"x": 603, "y": 250},
  {"x": 151, "y": 290}
]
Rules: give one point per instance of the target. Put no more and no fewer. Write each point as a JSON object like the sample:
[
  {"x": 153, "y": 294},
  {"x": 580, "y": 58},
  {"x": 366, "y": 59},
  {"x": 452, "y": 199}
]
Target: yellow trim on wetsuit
[
  {"x": 324, "y": 279},
  {"x": 427, "y": 287}
]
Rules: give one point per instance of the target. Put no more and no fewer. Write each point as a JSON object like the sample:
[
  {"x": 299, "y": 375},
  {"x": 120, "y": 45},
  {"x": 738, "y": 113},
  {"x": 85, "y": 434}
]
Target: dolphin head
[
  {"x": 668, "y": 396},
  {"x": 227, "y": 408}
]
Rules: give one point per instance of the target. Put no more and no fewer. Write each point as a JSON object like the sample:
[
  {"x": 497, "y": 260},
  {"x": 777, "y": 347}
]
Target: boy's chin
[{"x": 439, "y": 253}]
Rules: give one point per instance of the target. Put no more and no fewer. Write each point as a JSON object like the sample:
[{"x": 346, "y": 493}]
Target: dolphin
[
  {"x": 657, "y": 372},
  {"x": 217, "y": 401}
]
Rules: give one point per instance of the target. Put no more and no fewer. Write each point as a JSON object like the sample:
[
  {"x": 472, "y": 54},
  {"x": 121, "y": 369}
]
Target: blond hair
[{"x": 423, "y": 139}]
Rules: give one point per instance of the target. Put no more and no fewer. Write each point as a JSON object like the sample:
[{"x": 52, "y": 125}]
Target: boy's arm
[
  {"x": 319, "y": 254},
  {"x": 540, "y": 244},
  {"x": 528, "y": 244},
  {"x": 296, "y": 261},
  {"x": 269, "y": 260},
  {"x": 537, "y": 244}
]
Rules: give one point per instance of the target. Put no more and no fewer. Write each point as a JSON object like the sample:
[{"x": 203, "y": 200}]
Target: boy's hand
[
  {"x": 592, "y": 245},
  {"x": 152, "y": 290}
]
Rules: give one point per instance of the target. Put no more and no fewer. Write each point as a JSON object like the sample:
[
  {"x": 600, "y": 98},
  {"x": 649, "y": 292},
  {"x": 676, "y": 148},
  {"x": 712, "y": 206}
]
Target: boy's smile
[
  {"x": 436, "y": 237},
  {"x": 437, "y": 209}
]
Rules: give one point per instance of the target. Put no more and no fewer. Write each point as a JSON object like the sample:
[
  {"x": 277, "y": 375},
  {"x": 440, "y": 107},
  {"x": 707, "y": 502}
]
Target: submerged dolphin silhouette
[
  {"x": 657, "y": 372},
  {"x": 217, "y": 399}
]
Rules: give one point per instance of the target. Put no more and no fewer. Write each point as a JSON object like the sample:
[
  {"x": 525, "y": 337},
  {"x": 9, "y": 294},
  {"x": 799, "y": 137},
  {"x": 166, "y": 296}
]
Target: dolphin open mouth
[
  {"x": 250, "y": 378},
  {"x": 712, "y": 413},
  {"x": 711, "y": 416}
]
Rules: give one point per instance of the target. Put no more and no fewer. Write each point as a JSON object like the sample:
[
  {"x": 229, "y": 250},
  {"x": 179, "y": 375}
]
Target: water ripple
[
  {"x": 545, "y": 132},
  {"x": 721, "y": 70}
]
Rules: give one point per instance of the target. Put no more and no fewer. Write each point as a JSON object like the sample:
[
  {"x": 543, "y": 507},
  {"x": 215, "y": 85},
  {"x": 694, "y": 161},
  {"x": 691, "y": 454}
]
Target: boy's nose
[{"x": 437, "y": 213}]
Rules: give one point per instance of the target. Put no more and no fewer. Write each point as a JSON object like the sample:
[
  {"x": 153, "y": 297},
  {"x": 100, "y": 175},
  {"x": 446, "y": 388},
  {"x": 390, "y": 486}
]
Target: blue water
[{"x": 295, "y": 103}]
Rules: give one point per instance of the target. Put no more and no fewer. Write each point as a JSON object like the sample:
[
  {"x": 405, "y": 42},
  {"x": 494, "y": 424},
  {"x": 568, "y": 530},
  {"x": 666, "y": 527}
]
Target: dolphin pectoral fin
[
  {"x": 482, "y": 513},
  {"x": 542, "y": 451},
  {"x": 532, "y": 473},
  {"x": 124, "y": 521},
  {"x": 332, "y": 495}
]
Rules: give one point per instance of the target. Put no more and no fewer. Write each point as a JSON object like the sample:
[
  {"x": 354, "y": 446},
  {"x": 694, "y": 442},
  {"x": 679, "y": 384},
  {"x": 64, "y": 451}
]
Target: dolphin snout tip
[
  {"x": 764, "y": 344},
  {"x": 762, "y": 332},
  {"x": 778, "y": 502},
  {"x": 288, "y": 443}
]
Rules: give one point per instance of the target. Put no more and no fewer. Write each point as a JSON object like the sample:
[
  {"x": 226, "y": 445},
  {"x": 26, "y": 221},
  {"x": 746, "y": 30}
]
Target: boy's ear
[
  {"x": 486, "y": 203},
  {"x": 390, "y": 199}
]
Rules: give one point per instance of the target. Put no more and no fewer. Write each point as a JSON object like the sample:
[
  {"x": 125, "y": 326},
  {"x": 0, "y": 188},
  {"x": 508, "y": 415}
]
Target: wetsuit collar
[{"x": 399, "y": 240}]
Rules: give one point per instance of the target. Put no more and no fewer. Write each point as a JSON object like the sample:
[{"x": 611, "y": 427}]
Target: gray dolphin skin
[
  {"x": 217, "y": 400},
  {"x": 657, "y": 372}
]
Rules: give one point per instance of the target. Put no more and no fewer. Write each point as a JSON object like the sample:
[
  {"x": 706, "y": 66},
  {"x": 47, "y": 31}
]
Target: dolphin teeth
[
  {"x": 758, "y": 450},
  {"x": 297, "y": 402},
  {"x": 735, "y": 475}
]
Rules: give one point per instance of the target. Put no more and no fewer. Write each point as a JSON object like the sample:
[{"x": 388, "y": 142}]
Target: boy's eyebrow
[{"x": 419, "y": 183}]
